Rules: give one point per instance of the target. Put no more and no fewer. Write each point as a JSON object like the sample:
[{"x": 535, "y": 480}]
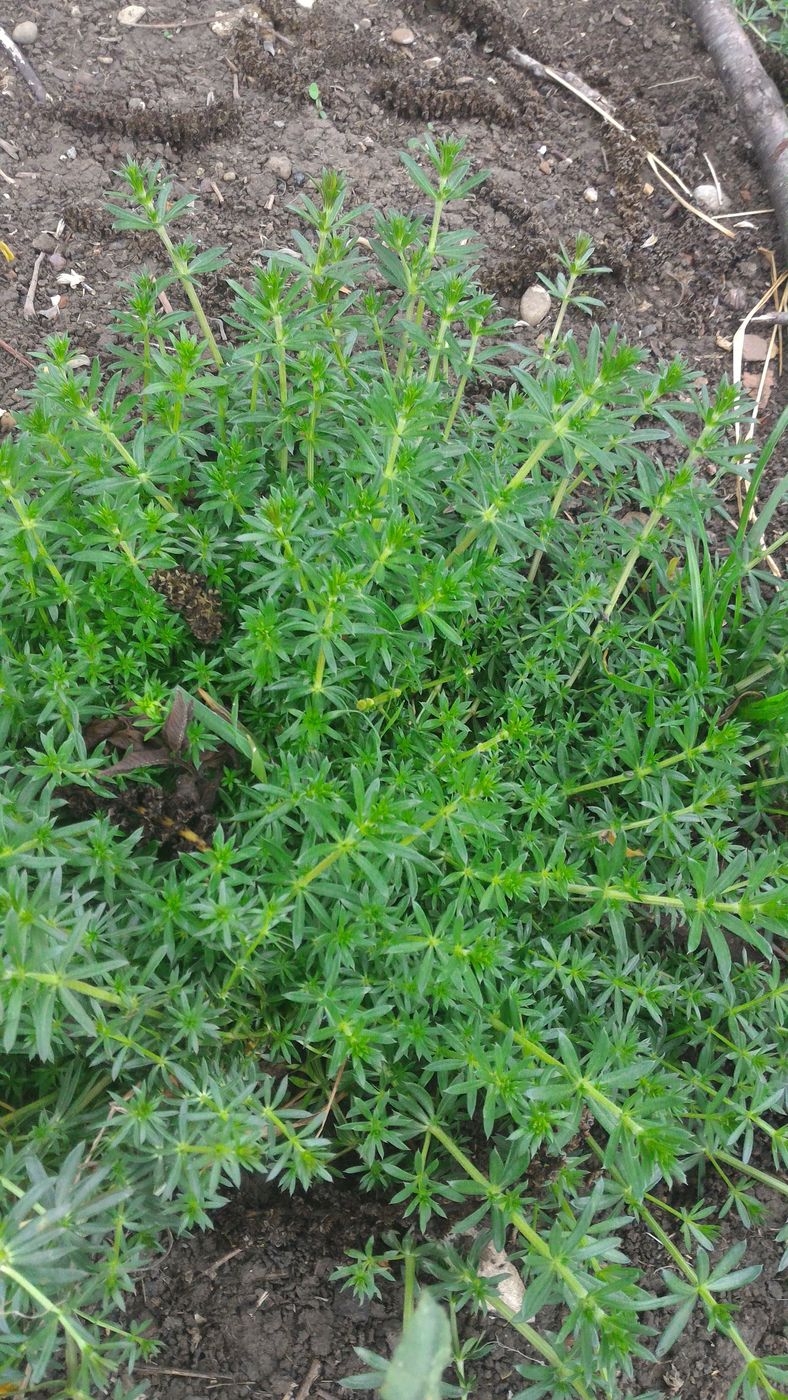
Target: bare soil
[
  {"x": 250, "y": 1309},
  {"x": 215, "y": 111}
]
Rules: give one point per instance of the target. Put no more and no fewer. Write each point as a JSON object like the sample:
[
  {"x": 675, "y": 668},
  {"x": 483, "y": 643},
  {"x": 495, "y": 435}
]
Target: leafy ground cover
[
  {"x": 392, "y": 789},
  {"x": 768, "y": 20}
]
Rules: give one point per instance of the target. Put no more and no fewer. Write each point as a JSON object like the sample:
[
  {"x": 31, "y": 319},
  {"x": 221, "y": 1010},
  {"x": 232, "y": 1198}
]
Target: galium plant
[
  {"x": 767, "y": 20},
  {"x": 393, "y": 761}
]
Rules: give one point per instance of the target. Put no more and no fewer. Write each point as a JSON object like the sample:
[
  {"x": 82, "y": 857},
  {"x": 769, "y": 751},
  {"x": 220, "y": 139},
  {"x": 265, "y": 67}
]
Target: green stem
[
  {"x": 564, "y": 307},
  {"x": 432, "y": 243},
  {"x": 432, "y": 368},
  {"x": 516, "y": 1217},
  {"x": 611, "y": 1110},
  {"x": 256, "y": 365},
  {"x": 182, "y": 273},
  {"x": 409, "y": 1287},
  {"x": 282, "y": 371},
  {"x": 532, "y": 460},
  {"x": 766, "y": 1178},
  {"x": 647, "y": 770},
  {"x": 458, "y": 397},
  {"x": 278, "y": 908},
  {"x": 29, "y": 526},
  {"x": 623, "y": 578},
  {"x": 705, "y": 1295},
  {"x": 567, "y": 485},
  {"x": 542, "y": 1347},
  {"x": 72, "y": 984},
  {"x": 140, "y": 475},
  {"x": 46, "y": 1303}
]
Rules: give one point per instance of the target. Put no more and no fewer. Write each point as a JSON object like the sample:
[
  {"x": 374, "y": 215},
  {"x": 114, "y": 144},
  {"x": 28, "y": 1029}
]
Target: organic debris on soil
[{"x": 177, "y": 816}]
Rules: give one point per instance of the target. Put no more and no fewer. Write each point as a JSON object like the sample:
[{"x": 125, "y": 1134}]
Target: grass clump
[{"x": 391, "y": 787}]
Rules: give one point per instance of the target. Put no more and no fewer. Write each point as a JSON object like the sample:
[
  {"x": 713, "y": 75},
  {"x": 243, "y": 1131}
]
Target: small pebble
[
  {"x": 708, "y": 198},
  {"x": 136, "y": 104},
  {"x": 403, "y": 36},
  {"x": 755, "y": 348},
  {"x": 7, "y": 421},
  {"x": 26, "y": 32},
  {"x": 130, "y": 15},
  {"x": 229, "y": 176},
  {"x": 44, "y": 243},
  {"x": 57, "y": 261},
  {"x": 590, "y": 195},
  {"x": 534, "y": 305},
  {"x": 281, "y": 166},
  {"x": 365, "y": 23},
  {"x": 736, "y": 297}
]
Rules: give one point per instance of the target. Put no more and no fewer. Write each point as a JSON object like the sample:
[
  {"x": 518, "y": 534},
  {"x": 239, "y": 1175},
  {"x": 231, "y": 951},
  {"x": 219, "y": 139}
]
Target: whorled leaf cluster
[{"x": 494, "y": 854}]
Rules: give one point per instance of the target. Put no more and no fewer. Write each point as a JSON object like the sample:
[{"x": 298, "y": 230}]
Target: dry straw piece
[{"x": 669, "y": 178}]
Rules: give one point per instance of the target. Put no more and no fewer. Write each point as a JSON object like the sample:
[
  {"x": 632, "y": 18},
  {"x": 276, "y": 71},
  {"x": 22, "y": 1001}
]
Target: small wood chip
[
  {"x": 308, "y": 1381},
  {"x": 29, "y": 308}
]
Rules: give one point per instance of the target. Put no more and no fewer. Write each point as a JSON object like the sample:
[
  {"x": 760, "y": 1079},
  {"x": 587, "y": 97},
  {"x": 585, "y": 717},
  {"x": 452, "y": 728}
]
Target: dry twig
[
  {"x": 772, "y": 318},
  {"x": 599, "y": 104},
  {"x": 214, "y": 1268},
  {"x": 24, "y": 67},
  {"x": 187, "y": 1375},
  {"x": 17, "y": 355},
  {"x": 754, "y": 93},
  {"x": 29, "y": 308},
  {"x": 308, "y": 1381},
  {"x": 778, "y": 290}
]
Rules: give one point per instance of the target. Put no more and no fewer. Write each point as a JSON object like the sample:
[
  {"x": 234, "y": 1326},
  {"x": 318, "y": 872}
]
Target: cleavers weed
[{"x": 393, "y": 787}]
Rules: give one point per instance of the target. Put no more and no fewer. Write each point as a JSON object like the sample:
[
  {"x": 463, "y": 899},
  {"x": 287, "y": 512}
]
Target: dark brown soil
[
  {"x": 215, "y": 110},
  {"x": 250, "y": 1308}
]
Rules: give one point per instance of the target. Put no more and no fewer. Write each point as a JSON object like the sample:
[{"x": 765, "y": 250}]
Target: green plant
[
  {"x": 767, "y": 20},
  {"x": 316, "y": 99},
  {"x": 383, "y": 716},
  {"x": 420, "y": 1358}
]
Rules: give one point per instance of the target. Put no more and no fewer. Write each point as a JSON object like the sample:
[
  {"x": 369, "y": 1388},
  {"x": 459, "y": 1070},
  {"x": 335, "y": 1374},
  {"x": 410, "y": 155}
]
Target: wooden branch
[
  {"x": 754, "y": 93},
  {"x": 25, "y": 68}
]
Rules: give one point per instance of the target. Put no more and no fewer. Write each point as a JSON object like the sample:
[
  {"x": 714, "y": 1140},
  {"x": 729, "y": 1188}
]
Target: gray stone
[
  {"x": 280, "y": 166},
  {"x": 26, "y": 32},
  {"x": 534, "y": 305}
]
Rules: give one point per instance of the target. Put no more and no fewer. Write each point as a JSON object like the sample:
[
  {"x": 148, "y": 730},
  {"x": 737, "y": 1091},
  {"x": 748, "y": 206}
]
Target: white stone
[
  {"x": 130, "y": 15},
  {"x": 710, "y": 199},
  {"x": 534, "y": 305},
  {"x": 26, "y": 32}
]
